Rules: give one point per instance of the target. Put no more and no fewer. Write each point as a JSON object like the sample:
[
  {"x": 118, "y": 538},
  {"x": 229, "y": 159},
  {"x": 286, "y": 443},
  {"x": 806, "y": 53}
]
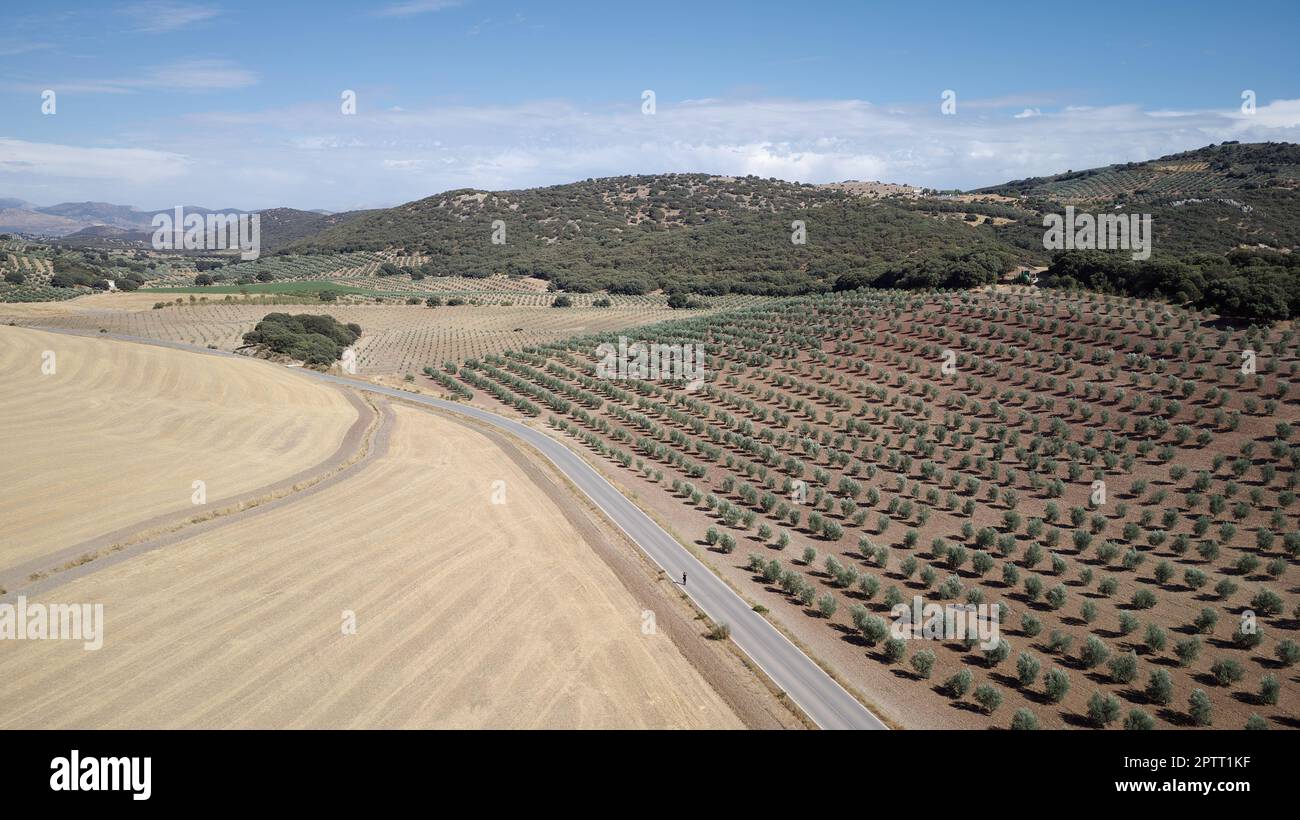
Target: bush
[
  {"x": 1160, "y": 688},
  {"x": 959, "y": 684},
  {"x": 1124, "y": 668},
  {"x": 562, "y": 301},
  {"x": 1269, "y": 689},
  {"x": 1103, "y": 710},
  {"x": 1139, "y": 720},
  {"x": 826, "y": 605},
  {"x": 1200, "y": 708},
  {"x": 1155, "y": 638},
  {"x": 1287, "y": 652},
  {"x": 1024, "y": 720},
  {"x": 1127, "y": 623},
  {"x": 1256, "y": 723},
  {"x": 1188, "y": 651},
  {"x": 997, "y": 653},
  {"x": 1094, "y": 652},
  {"x": 1144, "y": 599},
  {"x": 895, "y": 650},
  {"x": 313, "y": 339},
  {"x": 1027, "y": 669},
  {"x": 874, "y": 630},
  {"x": 923, "y": 662},
  {"x": 1267, "y": 603},
  {"x": 1056, "y": 685},
  {"x": 1030, "y": 625},
  {"x": 988, "y": 697},
  {"x": 1226, "y": 671}
]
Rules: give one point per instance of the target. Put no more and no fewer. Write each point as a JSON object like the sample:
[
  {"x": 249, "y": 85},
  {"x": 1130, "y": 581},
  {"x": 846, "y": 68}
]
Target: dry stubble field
[
  {"x": 468, "y": 613},
  {"x": 396, "y": 339}
]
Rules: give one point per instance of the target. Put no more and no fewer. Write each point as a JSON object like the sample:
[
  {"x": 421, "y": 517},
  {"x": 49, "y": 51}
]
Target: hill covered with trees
[
  {"x": 713, "y": 234},
  {"x": 676, "y": 232}
]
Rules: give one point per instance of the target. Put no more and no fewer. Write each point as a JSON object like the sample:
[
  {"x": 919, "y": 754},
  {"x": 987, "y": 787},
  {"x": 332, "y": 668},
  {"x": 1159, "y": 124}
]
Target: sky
[{"x": 158, "y": 103}]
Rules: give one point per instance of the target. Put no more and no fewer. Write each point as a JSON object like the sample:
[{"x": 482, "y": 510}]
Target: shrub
[
  {"x": 826, "y": 605},
  {"x": 1024, "y": 720},
  {"x": 1030, "y": 625},
  {"x": 1155, "y": 637},
  {"x": 1056, "y": 597},
  {"x": 313, "y": 339},
  {"x": 1056, "y": 685},
  {"x": 1103, "y": 710},
  {"x": 1269, "y": 689},
  {"x": 997, "y": 653},
  {"x": 874, "y": 630},
  {"x": 1247, "y": 637},
  {"x": 959, "y": 684},
  {"x": 988, "y": 697},
  {"x": 1160, "y": 688},
  {"x": 1127, "y": 623},
  {"x": 1124, "y": 668},
  {"x": 1094, "y": 652},
  {"x": 1256, "y": 723},
  {"x": 1226, "y": 671},
  {"x": 1287, "y": 652},
  {"x": 1206, "y": 621},
  {"x": 1200, "y": 708},
  {"x": 923, "y": 662},
  {"x": 1188, "y": 651},
  {"x": 1139, "y": 720},
  {"x": 1144, "y": 599},
  {"x": 895, "y": 650},
  {"x": 1059, "y": 642},
  {"x": 1266, "y": 602},
  {"x": 1027, "y": 669}
]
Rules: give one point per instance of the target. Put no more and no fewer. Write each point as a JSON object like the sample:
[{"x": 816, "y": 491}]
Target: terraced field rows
[{"x": 861, "y": 449}]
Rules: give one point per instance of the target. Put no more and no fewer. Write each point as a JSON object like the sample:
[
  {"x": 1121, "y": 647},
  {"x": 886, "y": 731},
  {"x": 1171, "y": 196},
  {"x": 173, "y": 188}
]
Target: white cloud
[
  {"x": 133, "y": 166},
  {"x": 163, "y": 16},
  {"x": 186, "y": 76},
  {"x": 311, "y": 156},
  {"x": 416, "y": 7},
  {"x": 12, "y": 48}
]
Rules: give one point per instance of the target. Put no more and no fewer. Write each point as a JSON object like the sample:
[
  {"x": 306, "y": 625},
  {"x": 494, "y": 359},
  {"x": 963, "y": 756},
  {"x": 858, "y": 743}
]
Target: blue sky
[{"x": 224, "y": 103}]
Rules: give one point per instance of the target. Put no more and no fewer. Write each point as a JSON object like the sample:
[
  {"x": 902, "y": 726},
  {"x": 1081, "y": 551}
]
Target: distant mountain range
[{"x": 104, "y": 222}]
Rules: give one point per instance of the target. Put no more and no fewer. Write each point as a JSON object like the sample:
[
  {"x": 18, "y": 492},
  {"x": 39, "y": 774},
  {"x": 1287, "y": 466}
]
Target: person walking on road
[{"x": 683, "y": 577}]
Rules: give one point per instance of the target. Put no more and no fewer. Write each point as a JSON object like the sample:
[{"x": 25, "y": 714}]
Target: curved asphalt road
[
  {"x": 816, "y": 693},
  {"x": 820, "y": 697}
]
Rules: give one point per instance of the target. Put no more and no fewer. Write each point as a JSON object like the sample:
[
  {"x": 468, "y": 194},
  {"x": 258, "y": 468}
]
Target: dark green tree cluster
[{"x": 314, "y": 339}]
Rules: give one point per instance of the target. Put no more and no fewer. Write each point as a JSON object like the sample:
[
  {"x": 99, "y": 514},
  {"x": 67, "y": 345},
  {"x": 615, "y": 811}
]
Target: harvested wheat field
[
  {"x": 468, "y": 613},
  {"x": 98, "y": 435},
  {"x": 397, "y": 338}
]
